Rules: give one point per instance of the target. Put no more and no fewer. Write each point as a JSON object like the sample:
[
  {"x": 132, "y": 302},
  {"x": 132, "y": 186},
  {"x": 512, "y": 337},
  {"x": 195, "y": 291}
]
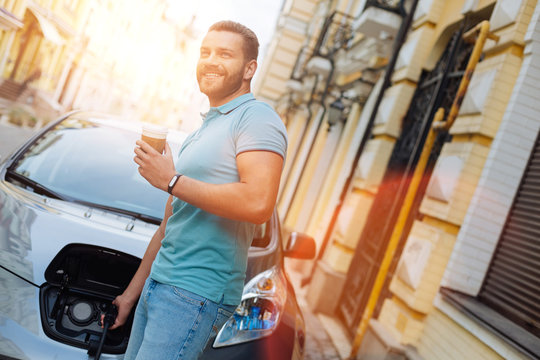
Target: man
[{"x": 226, "y": 180}]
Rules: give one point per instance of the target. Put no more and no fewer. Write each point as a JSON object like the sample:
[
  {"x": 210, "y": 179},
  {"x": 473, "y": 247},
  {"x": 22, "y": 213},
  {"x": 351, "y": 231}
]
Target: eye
[{"x": 226, "y": 54}]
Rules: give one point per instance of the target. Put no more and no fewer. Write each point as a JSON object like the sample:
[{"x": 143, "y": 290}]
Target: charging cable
[{"x": 108, "y": 320}]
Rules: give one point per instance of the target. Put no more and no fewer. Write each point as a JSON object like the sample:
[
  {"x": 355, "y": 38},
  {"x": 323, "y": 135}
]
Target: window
[{"x": 509, "y": 300}]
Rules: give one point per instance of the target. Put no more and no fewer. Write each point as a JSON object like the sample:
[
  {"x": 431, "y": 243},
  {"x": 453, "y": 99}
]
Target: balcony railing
[
  {"x": 335, "y": 34},
  {"x": 395, "y": 6}
]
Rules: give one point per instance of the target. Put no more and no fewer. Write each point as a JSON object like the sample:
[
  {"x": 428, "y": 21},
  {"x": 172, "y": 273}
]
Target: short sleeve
[{"x": 260, "y": 128}]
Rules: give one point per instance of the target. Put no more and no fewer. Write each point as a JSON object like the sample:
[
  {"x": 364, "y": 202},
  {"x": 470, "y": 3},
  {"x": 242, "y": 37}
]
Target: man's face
[{"x": 221, "y": 69}]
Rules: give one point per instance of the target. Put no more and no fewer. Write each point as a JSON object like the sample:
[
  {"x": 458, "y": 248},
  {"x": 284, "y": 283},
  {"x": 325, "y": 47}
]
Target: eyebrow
[{"x": 219, "y": 48}]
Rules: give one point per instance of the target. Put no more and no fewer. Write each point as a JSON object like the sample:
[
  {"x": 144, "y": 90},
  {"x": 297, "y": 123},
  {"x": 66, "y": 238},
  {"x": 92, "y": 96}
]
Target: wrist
[
  {"x": 172, "y": 182},
  {"x": 129, "y": 298}
]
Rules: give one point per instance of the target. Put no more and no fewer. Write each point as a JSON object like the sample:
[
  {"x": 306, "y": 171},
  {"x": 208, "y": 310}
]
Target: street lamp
[{"x": 335, "y": 111}]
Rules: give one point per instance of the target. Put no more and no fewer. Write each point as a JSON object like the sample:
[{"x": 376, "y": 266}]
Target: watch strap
[{"x": 173, "y": 182}]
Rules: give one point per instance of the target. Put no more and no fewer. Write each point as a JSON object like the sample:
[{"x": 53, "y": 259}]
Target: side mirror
[{"x": 300, "y": 246}]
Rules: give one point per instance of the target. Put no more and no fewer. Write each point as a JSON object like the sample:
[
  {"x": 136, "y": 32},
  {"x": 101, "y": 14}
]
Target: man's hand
[
  {"x": 156, "y": 168},
  {"x": 124, "y": 306}
]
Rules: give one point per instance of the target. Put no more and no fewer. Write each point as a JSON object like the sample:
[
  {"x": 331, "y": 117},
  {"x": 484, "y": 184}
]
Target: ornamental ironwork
[
  {"x": 395, "y": 6},
  {"x": 436, "y": 88}
]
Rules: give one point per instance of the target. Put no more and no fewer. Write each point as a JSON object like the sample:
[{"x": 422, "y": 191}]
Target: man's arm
[
  {"x": 251, "y": 199},
  {"x": 128, "y": 298}
]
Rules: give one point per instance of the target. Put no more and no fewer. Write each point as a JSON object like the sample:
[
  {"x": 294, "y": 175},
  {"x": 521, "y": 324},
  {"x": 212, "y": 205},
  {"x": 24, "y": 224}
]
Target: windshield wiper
[
  {"x": 133, "y": 214},
  {"x": 42, "y": 190},
  {"x": 36, "y": 187}
]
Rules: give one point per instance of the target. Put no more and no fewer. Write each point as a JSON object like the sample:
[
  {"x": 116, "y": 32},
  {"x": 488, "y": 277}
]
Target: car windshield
[{"x": 92, "y": 162}]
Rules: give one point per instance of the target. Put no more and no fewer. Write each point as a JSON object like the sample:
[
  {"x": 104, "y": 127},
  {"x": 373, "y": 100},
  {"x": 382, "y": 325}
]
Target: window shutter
[{"x": 512, "y": 285}]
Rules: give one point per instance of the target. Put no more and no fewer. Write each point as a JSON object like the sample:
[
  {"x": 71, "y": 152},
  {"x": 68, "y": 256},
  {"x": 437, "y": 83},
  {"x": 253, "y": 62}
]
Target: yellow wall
[
  {"x": 330, "y": 192},
  {"x": 443, "y": 339},
  {"x": 297, "y": 162},
  {"x": 307, "y": 175},
  {"x": 295, "y": 127},
  {"x": 420, "y": 295},
  {"x": 410, "y": 315}
]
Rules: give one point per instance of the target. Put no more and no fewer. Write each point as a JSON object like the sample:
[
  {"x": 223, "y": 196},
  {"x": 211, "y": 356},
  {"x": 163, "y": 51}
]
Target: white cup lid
[{"x": 154, "y": 130}]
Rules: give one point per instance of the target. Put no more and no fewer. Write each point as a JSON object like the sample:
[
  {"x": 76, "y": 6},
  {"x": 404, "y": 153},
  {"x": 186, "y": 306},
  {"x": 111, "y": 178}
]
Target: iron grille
[{"x": 435, "y": 89}]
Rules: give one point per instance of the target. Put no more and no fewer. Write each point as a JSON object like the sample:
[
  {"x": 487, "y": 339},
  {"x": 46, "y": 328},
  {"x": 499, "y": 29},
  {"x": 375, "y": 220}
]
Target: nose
[{"x": 210, "y": 59}]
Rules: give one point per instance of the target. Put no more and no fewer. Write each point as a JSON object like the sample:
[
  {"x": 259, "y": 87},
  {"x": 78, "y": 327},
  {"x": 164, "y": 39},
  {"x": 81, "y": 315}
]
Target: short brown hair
[{"x": 251, "y": 43}]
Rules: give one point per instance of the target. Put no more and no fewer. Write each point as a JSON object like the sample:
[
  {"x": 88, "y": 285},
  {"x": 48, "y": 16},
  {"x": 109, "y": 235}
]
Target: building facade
[
  {"x": 58, "y": 55},
  {"x": 35, "y": 51},
  {"x": 413, "y": 162}
]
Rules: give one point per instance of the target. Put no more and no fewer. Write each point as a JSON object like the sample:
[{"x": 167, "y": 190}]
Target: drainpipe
[
  {"x": 437, "y": 125},
  {"x": 400, "y": 39}
]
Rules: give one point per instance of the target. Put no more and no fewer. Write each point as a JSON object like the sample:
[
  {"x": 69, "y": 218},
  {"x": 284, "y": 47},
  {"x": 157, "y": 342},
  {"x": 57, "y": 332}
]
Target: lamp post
[{"x": 335, "y": 111}]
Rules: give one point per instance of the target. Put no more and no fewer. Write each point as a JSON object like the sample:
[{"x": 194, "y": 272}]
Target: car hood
[{"x": 34, "y": 228}]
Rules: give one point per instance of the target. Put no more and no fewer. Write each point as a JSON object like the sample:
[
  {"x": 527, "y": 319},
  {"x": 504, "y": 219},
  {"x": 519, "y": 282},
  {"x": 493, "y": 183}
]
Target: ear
[{"x": 249, "y": 69}]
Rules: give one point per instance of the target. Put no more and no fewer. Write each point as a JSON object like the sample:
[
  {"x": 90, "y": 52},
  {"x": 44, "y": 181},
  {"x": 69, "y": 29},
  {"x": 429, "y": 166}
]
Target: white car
[{"x": 75, "y": 220}]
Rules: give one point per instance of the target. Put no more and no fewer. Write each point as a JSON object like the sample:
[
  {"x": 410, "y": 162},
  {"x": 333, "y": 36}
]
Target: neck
[{"x": 215, "y": 102}]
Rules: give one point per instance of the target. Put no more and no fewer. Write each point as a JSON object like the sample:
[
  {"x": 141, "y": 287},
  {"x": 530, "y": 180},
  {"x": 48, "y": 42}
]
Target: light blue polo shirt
[{"x": 201, "y": 252}]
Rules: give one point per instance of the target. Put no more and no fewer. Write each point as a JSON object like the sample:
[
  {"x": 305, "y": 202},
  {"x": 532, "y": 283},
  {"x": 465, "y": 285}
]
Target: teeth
[{"x": 212, "y": 74}]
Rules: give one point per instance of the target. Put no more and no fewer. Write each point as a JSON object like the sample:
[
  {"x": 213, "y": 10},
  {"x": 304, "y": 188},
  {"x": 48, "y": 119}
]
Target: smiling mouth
[{"x": 212, "y": 75}]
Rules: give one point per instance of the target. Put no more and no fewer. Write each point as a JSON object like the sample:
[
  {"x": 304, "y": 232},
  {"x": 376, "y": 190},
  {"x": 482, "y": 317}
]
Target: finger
[
  {"x": 138, "y": 160},
  {"x": 168, "y": 152},
  {"x": 145, "y": 146},
  {"x": 116, "y": 323},
  {"x": 119, "y": 321},
  {"x": 140, "y": 152}
]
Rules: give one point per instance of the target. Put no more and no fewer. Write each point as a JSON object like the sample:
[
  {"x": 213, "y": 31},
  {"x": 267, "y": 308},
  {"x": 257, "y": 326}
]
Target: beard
[{"x": 221, "y": 85}]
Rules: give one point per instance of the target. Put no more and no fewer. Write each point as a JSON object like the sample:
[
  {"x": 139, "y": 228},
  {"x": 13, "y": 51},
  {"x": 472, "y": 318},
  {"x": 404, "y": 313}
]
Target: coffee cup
[{"x": 155, "y": 136}]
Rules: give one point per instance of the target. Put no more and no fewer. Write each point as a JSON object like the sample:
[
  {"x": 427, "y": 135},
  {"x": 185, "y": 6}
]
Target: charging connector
[{"x": 108, "y": 320}]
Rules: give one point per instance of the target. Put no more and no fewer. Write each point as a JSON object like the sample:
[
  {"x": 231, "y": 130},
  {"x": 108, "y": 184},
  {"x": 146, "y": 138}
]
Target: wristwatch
[{"x": 173, "y": 182}]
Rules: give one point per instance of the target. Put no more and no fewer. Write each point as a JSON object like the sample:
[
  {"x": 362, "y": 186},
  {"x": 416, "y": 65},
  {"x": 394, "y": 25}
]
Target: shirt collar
[
  {"x": 230, "y": 106},
  {"x": 234, "y": 103}
]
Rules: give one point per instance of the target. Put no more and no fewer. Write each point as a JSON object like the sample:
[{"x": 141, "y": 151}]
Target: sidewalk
[
  {"x": 319, "y": 346},
  {"x": 11, "y": 137}
]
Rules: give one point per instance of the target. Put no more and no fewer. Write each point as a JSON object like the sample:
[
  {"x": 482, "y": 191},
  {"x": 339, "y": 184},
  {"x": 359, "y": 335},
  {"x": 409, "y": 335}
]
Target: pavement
[
  {"x": 11, "y": 137},
  {"x": 319, "y": 346}
]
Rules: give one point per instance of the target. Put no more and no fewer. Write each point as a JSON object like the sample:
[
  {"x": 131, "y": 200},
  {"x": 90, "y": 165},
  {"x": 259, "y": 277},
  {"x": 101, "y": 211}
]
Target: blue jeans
[{"x": 171, "y": 323}]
